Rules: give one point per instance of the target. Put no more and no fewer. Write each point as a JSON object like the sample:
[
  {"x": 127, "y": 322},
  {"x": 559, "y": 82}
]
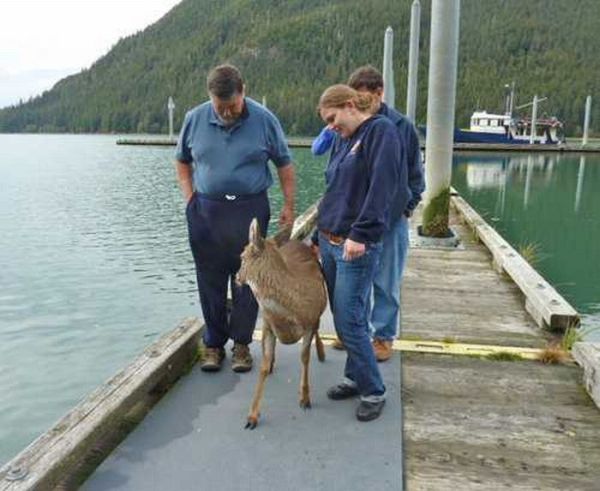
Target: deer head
[{"x": 260, "y": 257}]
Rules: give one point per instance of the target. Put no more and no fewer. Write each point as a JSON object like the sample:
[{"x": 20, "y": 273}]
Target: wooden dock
[
  {"x": 462, "y": 415},
  {"x": 305, "y": 142}
]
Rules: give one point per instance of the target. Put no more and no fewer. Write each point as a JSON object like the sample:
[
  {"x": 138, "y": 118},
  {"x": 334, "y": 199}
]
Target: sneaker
[
  {"x": 212, "y": 359},
  {"x": 368, "y": 411},
  {"x": 341, "y": 391},
  {"x": 241, "y": 360},
  {"x": 337, "y": 344},
  {"x": 382, "y": 349}
]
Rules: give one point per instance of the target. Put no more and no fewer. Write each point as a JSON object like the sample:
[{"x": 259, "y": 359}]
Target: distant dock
[
  {"x": 294, "y": 142},
  {"x": 305, "y": 142}
]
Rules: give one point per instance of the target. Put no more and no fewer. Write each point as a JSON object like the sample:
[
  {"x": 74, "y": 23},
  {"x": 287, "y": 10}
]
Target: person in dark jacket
[
  {"x": 385, "y": 314},
  {"x": 363, "y": 178}
]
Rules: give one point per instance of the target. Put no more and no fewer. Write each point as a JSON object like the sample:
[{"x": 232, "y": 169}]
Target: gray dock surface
[{"x": 194, "y": 438}]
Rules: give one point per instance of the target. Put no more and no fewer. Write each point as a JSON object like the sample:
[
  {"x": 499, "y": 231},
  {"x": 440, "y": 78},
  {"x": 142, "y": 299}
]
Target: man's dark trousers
[{"x": 218, "y": 232}]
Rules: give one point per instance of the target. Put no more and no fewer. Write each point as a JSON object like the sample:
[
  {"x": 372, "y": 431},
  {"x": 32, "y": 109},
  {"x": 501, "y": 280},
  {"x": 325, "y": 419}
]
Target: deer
[{"x": 288, "y": 284}]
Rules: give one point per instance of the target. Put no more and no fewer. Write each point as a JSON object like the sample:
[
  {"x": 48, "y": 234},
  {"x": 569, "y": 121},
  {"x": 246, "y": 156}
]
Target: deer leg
[
  {"x": 305, "y": 358},
  {"x": 268, "y": 349},
  {"x": 319, "y": 345}
]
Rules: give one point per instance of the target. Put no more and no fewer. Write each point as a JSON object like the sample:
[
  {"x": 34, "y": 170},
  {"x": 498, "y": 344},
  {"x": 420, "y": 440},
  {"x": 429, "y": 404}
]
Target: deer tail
[{"x": 319, "y": 347}]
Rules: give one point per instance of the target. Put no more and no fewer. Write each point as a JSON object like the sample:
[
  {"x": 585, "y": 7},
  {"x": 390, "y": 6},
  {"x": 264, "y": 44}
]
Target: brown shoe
[
  {"x": 382, "y": 349},
  {"x": 337, "y": 344},
  {"x": 241, "y": 361},
  {"x": 212, "y": 359}
]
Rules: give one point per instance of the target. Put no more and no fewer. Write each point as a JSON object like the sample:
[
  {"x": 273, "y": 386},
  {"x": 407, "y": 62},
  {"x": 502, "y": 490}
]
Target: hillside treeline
[{"x": 290, "y": 50}]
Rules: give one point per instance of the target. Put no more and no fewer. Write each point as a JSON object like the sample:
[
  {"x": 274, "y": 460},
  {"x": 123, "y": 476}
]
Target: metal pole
[
  {"x": 413, "y": 61},
  {"x": 170, "y": 107},
  {"x": 586, "y": 120},
  {"x": 512, "y": 98},
  {"x": 533, "y": 119},
  {"x": 264, "y": 100},
  {"x": 389, "y": 95},
  {"x": 441, "y": 98}
]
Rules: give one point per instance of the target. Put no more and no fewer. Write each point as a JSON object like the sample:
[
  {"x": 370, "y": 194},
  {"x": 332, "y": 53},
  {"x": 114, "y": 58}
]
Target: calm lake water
[{"x": 94, "y": 260}]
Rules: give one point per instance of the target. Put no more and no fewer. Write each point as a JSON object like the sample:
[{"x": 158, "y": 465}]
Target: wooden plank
[
  {"x": 473, "y": 424},
  {"x": 588, "y": 357},
  {"x": 81, "y": 439},
  {"x": 544, "y": 303}
]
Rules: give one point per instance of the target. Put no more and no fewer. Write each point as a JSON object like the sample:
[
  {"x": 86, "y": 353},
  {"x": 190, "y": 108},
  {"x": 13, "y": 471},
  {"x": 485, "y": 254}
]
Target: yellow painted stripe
[{"x": 444, "y": 348}]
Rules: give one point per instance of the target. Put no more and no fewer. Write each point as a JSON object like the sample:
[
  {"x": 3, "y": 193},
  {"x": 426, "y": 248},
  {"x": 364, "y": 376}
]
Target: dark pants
[{"x": 218, "y": 232}]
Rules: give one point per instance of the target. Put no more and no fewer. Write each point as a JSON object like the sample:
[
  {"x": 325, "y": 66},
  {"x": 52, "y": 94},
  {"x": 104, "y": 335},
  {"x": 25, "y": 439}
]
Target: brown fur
[{"x": 289, "y": 287}]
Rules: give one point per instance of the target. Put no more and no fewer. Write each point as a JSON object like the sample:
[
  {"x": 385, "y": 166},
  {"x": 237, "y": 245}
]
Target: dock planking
[{"x": 475, "y": 423}]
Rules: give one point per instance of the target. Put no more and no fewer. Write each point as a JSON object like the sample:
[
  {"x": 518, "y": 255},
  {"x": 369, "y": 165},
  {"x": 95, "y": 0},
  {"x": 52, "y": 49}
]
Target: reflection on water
[{"x": 549, "y": 200}]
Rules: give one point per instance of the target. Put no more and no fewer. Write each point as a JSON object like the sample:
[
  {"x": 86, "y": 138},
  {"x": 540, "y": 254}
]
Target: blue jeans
[
  {"x": 348, "y": 285},
  {"x": 388, "y": 278}
]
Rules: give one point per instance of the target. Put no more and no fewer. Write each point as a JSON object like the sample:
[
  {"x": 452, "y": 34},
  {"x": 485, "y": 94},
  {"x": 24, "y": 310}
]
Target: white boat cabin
[{"x": 484, "y": 122}]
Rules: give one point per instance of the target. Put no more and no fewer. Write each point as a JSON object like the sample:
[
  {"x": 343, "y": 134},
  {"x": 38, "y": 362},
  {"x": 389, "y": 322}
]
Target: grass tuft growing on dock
[
  {"x": 554, "y": 355},
  {"x": 530, "y": 252}
]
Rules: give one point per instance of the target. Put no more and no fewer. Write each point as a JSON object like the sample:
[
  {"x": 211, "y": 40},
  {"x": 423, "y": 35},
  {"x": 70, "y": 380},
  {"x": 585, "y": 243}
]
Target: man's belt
[
  {"x": 332, "y": 238},
  {"x": 232, "y": 197}
]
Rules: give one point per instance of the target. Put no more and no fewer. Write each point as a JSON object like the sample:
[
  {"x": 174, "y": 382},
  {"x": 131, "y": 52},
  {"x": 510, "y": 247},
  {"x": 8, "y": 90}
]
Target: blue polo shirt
[
  {"x": 365, "y": 178},
  {"x": 232, "y": 159}
]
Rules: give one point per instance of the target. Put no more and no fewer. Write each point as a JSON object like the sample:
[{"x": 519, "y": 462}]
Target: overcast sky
[{"x": 42, "y": 41}]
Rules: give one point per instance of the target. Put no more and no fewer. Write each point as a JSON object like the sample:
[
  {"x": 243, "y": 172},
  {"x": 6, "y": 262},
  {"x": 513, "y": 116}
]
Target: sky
[{"x": 43, "y": 41}]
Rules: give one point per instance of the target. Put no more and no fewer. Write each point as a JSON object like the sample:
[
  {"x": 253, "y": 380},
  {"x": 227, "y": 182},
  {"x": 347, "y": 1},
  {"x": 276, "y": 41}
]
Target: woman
[{"x": 363, "y": 175}]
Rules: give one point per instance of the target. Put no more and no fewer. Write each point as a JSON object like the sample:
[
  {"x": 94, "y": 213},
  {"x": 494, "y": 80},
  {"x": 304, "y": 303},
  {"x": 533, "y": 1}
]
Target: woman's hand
[{"x": 353, "y": 250}]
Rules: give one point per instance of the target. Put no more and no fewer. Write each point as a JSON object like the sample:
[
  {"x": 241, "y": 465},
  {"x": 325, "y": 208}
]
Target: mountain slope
[{"x": 290, "y": 50}]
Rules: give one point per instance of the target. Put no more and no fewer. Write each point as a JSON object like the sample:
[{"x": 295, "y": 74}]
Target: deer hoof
[
  {"x": 251, "y": 423},
  {"x": 305, "y": 404}
]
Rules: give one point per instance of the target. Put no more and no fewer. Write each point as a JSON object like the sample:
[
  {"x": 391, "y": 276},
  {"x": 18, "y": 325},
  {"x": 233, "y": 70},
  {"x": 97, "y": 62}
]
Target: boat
[{"x": 506, "y": 128}]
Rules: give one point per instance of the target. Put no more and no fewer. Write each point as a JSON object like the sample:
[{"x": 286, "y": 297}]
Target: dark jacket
[
  {"x": 365, "y": 178},
  {"x": 408, "y": 134}
]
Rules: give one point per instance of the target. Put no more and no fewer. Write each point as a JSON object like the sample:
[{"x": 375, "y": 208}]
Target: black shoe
[
  {"x": 368, "y": 411},
  {"x": 341, "y": 391}
]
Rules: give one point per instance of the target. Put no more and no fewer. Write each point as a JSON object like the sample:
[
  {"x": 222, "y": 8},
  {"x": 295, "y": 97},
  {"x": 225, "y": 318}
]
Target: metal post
[
  {"x": 170, "y": 107},
  {"x": 413, "y": 61},
  {"x": 441, "y": 99},
  {"x": 389, "y": 95},
  {"x": 512, "y": 98},
  {"x": 586, "y": 120},
  {"x": 264, "y": 101},
  {"x": 533, "y": 119}
]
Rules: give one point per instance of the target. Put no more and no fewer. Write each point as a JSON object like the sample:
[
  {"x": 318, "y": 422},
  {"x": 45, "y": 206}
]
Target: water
[
  {"x": 550, "y": 201},
  {"x": 95, "y": 265}
]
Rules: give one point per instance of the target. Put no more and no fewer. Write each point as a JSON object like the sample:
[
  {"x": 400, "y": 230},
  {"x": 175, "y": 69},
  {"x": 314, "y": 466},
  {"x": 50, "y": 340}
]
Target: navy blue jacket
[
  {"x": 408, "y": 133},
  {"x": 363, "y": 177}
]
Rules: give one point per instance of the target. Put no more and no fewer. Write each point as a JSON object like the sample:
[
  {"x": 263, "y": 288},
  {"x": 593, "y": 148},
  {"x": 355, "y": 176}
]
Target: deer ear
[
  {"x": 283, "y": 235},
  {"x": 254, "y": 236}
]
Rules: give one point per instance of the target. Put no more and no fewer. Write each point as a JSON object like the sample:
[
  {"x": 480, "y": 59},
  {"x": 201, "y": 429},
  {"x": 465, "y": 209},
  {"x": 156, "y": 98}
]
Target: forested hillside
[{"x": 290, "y": 50}]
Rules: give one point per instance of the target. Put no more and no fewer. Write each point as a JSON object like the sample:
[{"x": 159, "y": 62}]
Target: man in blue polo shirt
[{"x": 222, "y": 158}]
